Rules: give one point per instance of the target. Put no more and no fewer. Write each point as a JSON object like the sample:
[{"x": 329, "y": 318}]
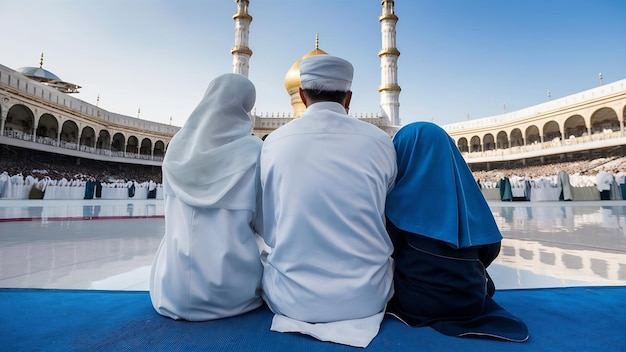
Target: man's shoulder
[
  {"x": 371, "y": 130},
  {"x": 329, "y": 122},
  {"x": 286, "y": 129}
]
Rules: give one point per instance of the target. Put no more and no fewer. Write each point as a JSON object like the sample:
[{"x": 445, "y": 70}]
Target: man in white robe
[
  {"x": 5, "y": 184},
  {"x": 208, "y": 265},
  {"x": 325, "y": 177},
  {"x": 604, "y": 180},
  {"x": 17, "y": 186},
  {"x": 151, "y": 190}
]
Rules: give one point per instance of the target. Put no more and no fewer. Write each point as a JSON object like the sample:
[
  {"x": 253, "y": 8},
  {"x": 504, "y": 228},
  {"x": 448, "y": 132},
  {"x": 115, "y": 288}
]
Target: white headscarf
[{"x": 215, "y": 147}]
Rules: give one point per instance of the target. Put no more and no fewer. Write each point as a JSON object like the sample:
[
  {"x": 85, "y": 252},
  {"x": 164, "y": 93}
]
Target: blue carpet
[{"x": 559, "y": 319}]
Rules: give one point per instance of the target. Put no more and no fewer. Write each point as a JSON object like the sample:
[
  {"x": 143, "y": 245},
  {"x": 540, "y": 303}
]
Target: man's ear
[
  {"x": 346, "y": 103},
  {"x": 303, "y": 97}
]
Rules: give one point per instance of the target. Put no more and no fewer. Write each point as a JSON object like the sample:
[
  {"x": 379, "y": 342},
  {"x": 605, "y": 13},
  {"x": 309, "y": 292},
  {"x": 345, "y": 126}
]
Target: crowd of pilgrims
[
  {"x": 606, "y": 176},
  {"x": 24, "y": 179},
  {"x": 35, "y": 175}
]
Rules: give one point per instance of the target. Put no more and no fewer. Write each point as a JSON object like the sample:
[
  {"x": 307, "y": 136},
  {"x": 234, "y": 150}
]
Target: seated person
[
  {"x": 444, "y": 237},
  {"x": 325, "y": 176},
  {"x": 208, "y": 266}
]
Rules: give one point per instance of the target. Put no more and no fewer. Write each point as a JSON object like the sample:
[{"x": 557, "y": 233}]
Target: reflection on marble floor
[
  {"x": 77, "y": 254},
  {"x": 546, "y": 244},
  {"x": 560, "y": 244},
  {"x": 59, "y": 209}
]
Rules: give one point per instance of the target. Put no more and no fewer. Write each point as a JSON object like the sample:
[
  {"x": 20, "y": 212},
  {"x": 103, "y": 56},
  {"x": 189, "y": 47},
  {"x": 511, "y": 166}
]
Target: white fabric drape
[
  {"x": 325, "y": 178},
  {"x": 208, "y": 266}
]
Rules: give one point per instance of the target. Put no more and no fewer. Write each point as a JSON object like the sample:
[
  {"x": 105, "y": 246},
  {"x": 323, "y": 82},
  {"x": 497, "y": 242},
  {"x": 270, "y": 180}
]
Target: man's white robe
[
  {"x": 604, "y": 180},
  {"x": 325, "y": 178},
  {"x": 5, "y": 185}
]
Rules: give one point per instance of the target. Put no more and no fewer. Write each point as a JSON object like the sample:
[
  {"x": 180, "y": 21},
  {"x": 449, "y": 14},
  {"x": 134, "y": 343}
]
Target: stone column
[
  {"x": 3, "y": 118},
  {"x": 59, "y": 130}
]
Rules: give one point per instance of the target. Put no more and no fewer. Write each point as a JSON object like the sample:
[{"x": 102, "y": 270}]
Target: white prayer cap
[{"x": 326, "y": 73}]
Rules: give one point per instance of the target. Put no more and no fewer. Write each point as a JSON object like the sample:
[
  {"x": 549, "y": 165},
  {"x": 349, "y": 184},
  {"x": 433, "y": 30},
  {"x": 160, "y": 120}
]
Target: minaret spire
[
  {"x": 317, "y": 40},
  {"x": 389, "y": 88},
  {"x": 41, "y": 61},
  {"x": 241, "y": 52}
]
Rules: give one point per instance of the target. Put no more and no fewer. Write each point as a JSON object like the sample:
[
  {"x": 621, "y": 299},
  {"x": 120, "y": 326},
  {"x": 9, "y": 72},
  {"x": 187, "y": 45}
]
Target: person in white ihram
[
  {"x": 325, "y": 178},
  {"x": 604, "y": 180},
  {"x": 208, "y": 265}
]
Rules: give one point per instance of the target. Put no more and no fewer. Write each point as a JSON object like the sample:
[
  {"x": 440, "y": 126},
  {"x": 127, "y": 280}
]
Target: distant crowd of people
[
  {"x": 79, "y": 187},
  {"x": 21, "y": 178},
  {"x": 582, "y": 173},
  {"x": 598, "y": 179},
  {"x": 46, "y": 177}
]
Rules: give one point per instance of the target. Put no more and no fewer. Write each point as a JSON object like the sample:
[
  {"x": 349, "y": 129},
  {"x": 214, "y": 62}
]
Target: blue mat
[{"x": 559, "y": 319}]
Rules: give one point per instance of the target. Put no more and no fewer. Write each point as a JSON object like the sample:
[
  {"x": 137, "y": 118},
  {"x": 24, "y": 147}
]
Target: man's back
[{"x": 325, "y": 177}]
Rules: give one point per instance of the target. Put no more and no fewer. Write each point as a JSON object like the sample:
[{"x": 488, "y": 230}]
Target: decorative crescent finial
[
  {"x": 41, "y": 61},
  {"x": 317, "y": 40}
]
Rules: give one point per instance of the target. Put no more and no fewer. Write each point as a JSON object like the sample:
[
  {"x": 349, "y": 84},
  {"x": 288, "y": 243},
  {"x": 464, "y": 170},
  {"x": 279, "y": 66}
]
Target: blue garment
[
  {"x": 505, "y": 189},
  {"x": 436, "y": 195}
]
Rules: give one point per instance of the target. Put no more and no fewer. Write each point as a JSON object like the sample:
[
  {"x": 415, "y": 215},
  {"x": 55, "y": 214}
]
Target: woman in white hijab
[{"x": 208, "y": 266}]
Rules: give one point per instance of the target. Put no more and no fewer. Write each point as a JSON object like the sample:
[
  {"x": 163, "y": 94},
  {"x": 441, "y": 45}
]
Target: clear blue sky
[{"x": 458, "y": 57}]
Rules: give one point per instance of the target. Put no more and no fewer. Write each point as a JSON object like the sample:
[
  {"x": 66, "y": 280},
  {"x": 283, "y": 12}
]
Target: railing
[
  {"x": 555, "y": 143},
  {"x": 74, "y": 146}
]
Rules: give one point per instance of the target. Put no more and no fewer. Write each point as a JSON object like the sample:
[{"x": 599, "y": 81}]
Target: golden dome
[{"x": 292, "y": 80}]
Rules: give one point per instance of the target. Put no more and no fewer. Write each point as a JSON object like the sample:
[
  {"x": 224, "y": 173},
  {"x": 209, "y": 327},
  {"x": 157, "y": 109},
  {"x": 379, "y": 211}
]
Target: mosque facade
[
  {"x": 585, "y": 125},
  {"x": 38, "y": 111}
]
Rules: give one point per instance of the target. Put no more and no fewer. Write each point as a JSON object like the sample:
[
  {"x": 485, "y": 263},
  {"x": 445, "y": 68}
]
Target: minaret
[
  {"x": 389, "y": 88},
  {"x": 241, "y": 52}
]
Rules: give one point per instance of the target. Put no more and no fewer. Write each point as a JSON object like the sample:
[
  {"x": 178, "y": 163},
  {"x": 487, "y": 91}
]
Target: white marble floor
[{"x": 109, "y": 244}]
